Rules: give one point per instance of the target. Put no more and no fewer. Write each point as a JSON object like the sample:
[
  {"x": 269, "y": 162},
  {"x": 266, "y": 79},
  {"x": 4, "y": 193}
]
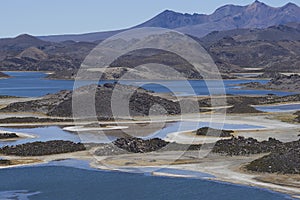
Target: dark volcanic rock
[
  {"x": 242, "y": 108},
  {"x": 137, "y": 145},
  {"x": 3, "y": 75},
  {"x": 60, "y": 104},
  {"x": 123, "y": 148},
  {"x": 284, "y": 160},
  {"x": 32, "y": 120},
  {"x": 214, "y": 132},
  {"x": 278, "y": 82},
  {"x": 269, "y": 75},
  {"x": 8, "y": 135},
  {"x": 245, "y": 146},
  {"x": 42, "y": 148}
]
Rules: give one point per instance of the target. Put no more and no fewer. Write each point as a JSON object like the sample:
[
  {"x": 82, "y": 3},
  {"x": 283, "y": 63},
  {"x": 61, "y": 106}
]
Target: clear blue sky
[{"x": 45, "y": 17}]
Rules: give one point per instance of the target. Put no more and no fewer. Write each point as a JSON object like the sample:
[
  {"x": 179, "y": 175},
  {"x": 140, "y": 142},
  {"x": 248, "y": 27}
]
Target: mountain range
[
  {"x": 255, "y": 15},
  {"x": 236, "y": 37}
]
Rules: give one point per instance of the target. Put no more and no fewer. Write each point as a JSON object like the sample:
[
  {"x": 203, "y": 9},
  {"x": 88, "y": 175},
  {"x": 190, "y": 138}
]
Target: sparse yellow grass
[
  {"x": 292, "y": 180},
  {"x": 148, "y": 162},
  {"x": 285, "y": 117},
  {"x": 22, "y": 162}
]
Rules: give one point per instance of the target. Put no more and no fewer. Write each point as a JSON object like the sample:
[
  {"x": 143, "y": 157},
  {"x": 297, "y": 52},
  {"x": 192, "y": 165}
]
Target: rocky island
[{"x": 278, "y": 82}]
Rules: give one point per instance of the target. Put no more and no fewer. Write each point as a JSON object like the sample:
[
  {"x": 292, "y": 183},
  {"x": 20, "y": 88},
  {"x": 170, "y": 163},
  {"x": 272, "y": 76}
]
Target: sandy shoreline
[{"x": 21, "y": 136}]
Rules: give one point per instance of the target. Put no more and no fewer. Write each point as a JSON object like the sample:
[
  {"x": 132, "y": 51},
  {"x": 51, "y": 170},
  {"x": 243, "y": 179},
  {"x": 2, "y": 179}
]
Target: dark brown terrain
[
  {"x": 42, "y": 148},
  {"x": 60, "y": 104},
  {"x": 278, "y": 82},
  {"x": 256, "y": 35}
]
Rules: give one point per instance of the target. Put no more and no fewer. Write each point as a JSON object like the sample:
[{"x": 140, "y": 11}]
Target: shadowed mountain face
[{"x": 255, "y": 15}]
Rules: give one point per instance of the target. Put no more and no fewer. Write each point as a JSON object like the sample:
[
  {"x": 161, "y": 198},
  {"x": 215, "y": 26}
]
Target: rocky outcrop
[
  {"x": 42, "y": 148},
  {"x": 60, "y": 104},
  {"x": 8, "y": 135},
  {"x": 138, "y": 145},
  {"x": 214, "y": 132},
  {"x": 269, "y": 75},
  {"x": 241, "y": 146},
  {"x": 43, "y": 105},
  {"x": 285, "y": 160},
  {"x": 279, "y": 82},
  {"x": 32, "y": 120},
  {"x": 3, "y": 75},
  {"x": 241, "y": 108}
]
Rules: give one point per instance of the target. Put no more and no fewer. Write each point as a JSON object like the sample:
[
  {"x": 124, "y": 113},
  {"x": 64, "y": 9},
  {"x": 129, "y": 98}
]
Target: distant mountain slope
[
  {"x": 26, "y": 52},
  {"x": 21, "y": 42},
  {"x": 255, "y": 15},
  {"x": 279, "y": 56},
  {"x": 274, "y": 33},
  {"x": 276, "y": 49},
  {"x": 87, "y": 37}
]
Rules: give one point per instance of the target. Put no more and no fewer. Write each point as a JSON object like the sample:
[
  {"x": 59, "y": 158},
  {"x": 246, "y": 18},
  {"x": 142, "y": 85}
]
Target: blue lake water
[
  {"x": 33, "y": 84},
  {"x": 48, "y": 133},
  {"x": 42, "y": 134},
  {"x": 190, "y": 126},
  {"x": 60, "y": 181},
  {"x": 279, "y": 108}
]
